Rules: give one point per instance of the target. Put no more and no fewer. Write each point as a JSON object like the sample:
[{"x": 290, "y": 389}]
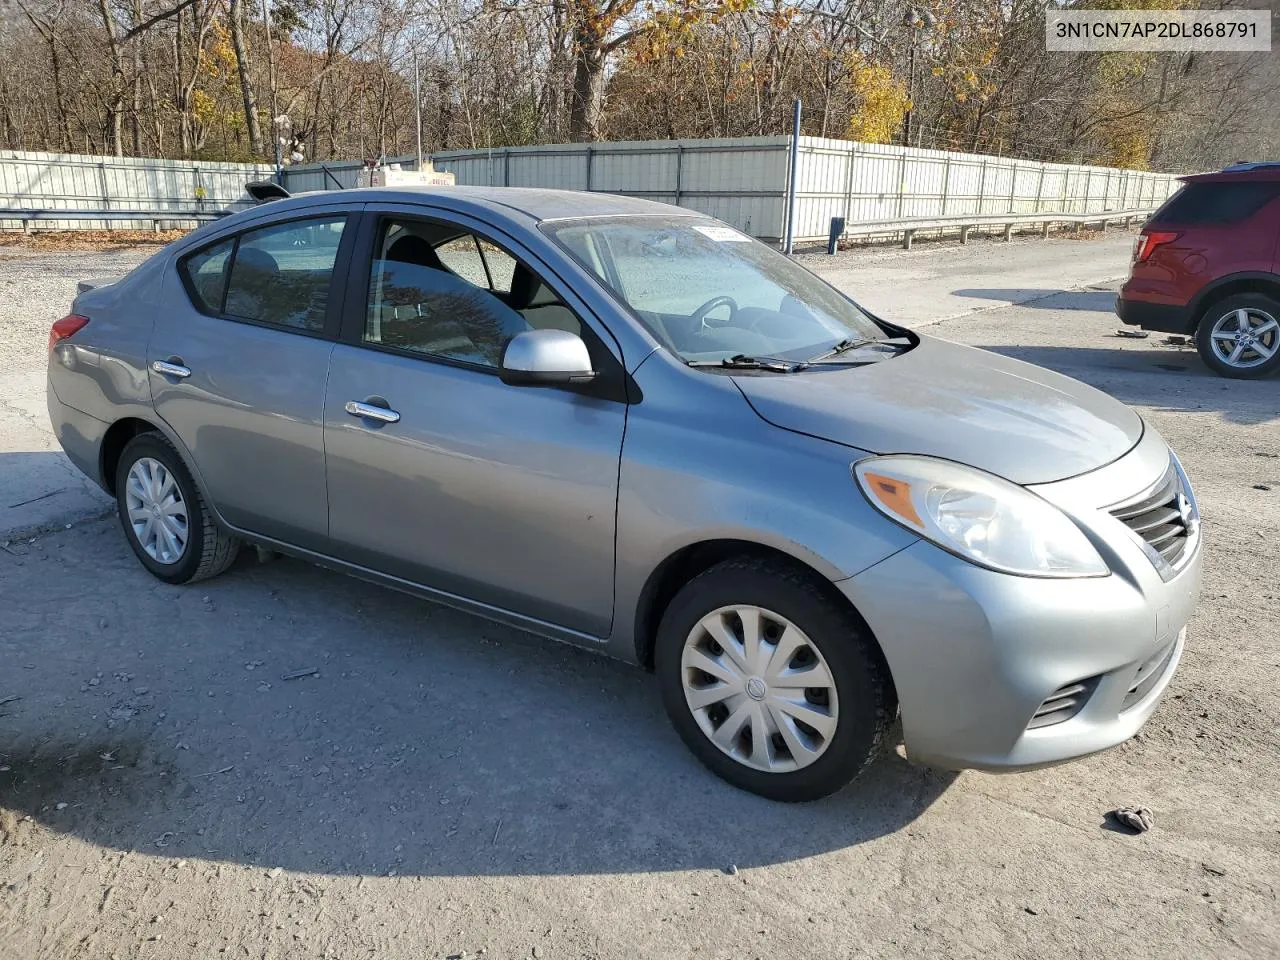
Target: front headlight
[{"x": 978, "y": 516}]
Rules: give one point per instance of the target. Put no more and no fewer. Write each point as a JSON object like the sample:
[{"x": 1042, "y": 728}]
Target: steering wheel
[{"x": 701, "y": 313}]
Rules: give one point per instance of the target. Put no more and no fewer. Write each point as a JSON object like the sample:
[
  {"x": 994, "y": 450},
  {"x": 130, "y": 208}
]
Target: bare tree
[{"x": 252, "y": 126}]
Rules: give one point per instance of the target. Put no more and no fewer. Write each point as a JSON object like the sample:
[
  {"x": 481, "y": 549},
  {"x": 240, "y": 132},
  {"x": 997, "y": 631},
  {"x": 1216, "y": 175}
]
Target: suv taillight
[
  {"x": 1147, "y": 242},
  {"x": 64, "y": 328}
]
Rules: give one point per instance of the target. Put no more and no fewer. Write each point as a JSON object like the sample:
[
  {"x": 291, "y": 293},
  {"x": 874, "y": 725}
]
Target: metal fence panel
[{"x": 741, "y": 181}]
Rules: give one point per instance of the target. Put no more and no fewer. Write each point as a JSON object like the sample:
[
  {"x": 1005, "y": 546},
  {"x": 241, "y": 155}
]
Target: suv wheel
[
  {"x": 165, "y": 519},
  {"x": 1240, "y": 336},
  {"x": 773, "y": 685}
]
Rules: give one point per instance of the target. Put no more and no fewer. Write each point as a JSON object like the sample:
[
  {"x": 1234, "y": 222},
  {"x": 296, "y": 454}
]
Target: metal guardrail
[
  {"x": 156, "y": 217},
  {"x": 908, "y": 226}
]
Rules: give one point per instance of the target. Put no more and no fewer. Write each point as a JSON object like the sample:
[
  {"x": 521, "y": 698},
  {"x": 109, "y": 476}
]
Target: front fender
[{"x": 706, "y": 467}]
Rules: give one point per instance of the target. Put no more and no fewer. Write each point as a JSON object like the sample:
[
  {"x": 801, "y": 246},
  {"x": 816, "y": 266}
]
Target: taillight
[
  {"x": 1147, "y": 243},
  {"x": 64, "y": 328}
]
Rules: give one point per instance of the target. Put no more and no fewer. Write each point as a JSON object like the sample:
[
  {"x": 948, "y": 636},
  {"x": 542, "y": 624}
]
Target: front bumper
[{"x": 975, "y": 654}]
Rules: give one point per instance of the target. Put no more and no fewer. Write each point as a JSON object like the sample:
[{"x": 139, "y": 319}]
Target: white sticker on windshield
[{"x": 722, "y": 234}]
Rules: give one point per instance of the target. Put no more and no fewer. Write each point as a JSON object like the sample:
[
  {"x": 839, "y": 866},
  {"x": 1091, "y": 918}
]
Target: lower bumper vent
[{"x": 1063, "y": 704}]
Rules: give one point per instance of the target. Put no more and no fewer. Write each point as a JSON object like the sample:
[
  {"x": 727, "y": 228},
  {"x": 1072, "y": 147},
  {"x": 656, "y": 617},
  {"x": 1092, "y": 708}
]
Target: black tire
[
  {"x": 209, "y": 549},
  {"x": 867, "y": 703},
  {"x": 1220, "y": 310}
]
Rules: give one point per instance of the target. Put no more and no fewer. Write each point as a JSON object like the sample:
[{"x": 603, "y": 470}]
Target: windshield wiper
[
  {"x": 741, "y": 361},
  {"x": 853, "y": 343}
]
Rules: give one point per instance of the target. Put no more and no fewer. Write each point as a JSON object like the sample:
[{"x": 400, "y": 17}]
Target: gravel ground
[
  {"x": 440, "y": 784},
  {"x": 36, "y": 287}
]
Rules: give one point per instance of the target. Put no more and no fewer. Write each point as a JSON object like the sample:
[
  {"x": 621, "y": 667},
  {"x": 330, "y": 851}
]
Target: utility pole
[
  {"x": 417, "y": 103},
  {"x": 917, "y": 21},
  {"x": 911, "y": 91},
  {"x": 789, "y": 239}
]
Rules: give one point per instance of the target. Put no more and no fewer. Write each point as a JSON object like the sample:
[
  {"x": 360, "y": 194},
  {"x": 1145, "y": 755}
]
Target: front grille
[
  {"x": 1148, "y": 676},
  {"x": 1163, "y": 518},
  {"x": 1063, "y": 704}
]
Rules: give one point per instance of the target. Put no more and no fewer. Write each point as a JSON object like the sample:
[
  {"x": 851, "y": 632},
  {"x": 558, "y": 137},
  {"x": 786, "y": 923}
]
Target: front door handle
[
  {"x": 370, "y": 411},
  {"x": 170, "y": 369}
]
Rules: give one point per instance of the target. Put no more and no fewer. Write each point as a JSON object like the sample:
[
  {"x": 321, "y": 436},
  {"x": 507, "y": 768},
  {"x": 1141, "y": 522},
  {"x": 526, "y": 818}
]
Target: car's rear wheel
[
  {"x": 771, "y": 682},
  {"x": 1240, "y": 336},
  {"x": 165, "y": 519}
]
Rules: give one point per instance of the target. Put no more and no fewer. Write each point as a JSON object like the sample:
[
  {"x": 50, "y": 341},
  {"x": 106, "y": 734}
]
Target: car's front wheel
[
  {"x": 771, "y": 682},
  {"x": 165, "y": 519},
  {"x": 1239, "y": 337}
]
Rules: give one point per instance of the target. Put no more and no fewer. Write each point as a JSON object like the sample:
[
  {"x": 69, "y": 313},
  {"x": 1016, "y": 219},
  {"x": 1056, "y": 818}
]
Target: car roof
[
  {"x": 530, "y": 204},
  {"x": 535, "y": 203},
  {"x": 1238, "y": 173}
]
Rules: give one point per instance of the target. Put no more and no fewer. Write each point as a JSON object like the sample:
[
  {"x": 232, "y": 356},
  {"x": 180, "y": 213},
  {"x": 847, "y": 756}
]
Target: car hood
[{"x": 942, "y": 399}]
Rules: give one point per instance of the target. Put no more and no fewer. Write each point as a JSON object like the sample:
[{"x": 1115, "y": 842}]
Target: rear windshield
[{"x": 1216, "y": 203}]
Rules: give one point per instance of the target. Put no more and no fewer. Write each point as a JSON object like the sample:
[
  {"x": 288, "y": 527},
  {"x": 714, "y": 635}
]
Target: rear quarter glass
[
  {"x": 204, "y": 274},
  {"x": 1215, "y": 203}
]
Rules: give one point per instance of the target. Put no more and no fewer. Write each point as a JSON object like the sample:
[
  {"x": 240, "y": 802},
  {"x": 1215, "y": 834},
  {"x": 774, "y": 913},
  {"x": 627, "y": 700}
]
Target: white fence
[
  {"x": 741, "y": 181},
  {"x": 58, "y": 181},
  {"x": 744, "y": 181},
  {"x": 866, "y": 182}
]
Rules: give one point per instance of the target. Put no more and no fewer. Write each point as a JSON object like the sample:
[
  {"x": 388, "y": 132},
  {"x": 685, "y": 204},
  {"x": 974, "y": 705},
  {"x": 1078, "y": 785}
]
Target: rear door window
[
  {"x": 1209, "y": 204},
  {"x": 280, "y": 275}
]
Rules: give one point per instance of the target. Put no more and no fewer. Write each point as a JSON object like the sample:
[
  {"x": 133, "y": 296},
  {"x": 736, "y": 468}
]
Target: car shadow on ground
[
  {"x": 1171, "y": 376},
  {"x": 1099, "y": 301},
  {"x": 172, "y": 721}
]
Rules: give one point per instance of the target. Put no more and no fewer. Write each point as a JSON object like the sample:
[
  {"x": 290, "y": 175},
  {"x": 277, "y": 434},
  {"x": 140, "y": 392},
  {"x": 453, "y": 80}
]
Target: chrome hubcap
[
  {"x": 157, "y": 513},
  {"x": 1246, "y": 338},
  {"x": 759, "y": 688}
]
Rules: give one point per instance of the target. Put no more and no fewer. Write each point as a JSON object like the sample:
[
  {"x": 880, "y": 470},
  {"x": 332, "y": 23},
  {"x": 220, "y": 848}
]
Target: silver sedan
[{"x": 631, "y": 427}]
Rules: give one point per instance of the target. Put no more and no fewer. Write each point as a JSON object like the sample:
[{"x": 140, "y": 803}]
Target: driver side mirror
[{"x": 545, "y": 358}]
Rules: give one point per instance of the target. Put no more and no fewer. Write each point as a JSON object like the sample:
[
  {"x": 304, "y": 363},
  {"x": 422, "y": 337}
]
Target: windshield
[{"x": 710, "y": 292}]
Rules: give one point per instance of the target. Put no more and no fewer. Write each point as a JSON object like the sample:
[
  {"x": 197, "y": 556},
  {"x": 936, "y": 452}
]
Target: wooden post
[
  {"x": 906, "y": 239},
  {"x": 1008, "y": 232}
]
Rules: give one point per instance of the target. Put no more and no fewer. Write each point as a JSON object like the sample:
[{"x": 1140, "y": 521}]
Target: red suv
[{"x": 1208, "y": 263}]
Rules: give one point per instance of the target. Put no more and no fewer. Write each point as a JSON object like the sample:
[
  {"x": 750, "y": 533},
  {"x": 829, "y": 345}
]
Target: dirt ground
[{"x": 436, "y": 785}]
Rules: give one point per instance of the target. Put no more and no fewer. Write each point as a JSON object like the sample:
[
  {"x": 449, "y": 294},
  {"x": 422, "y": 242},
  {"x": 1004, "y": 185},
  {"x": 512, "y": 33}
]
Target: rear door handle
[
  {"x": 169, "y": 369},
  {"x": 369, "y": 411}
]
